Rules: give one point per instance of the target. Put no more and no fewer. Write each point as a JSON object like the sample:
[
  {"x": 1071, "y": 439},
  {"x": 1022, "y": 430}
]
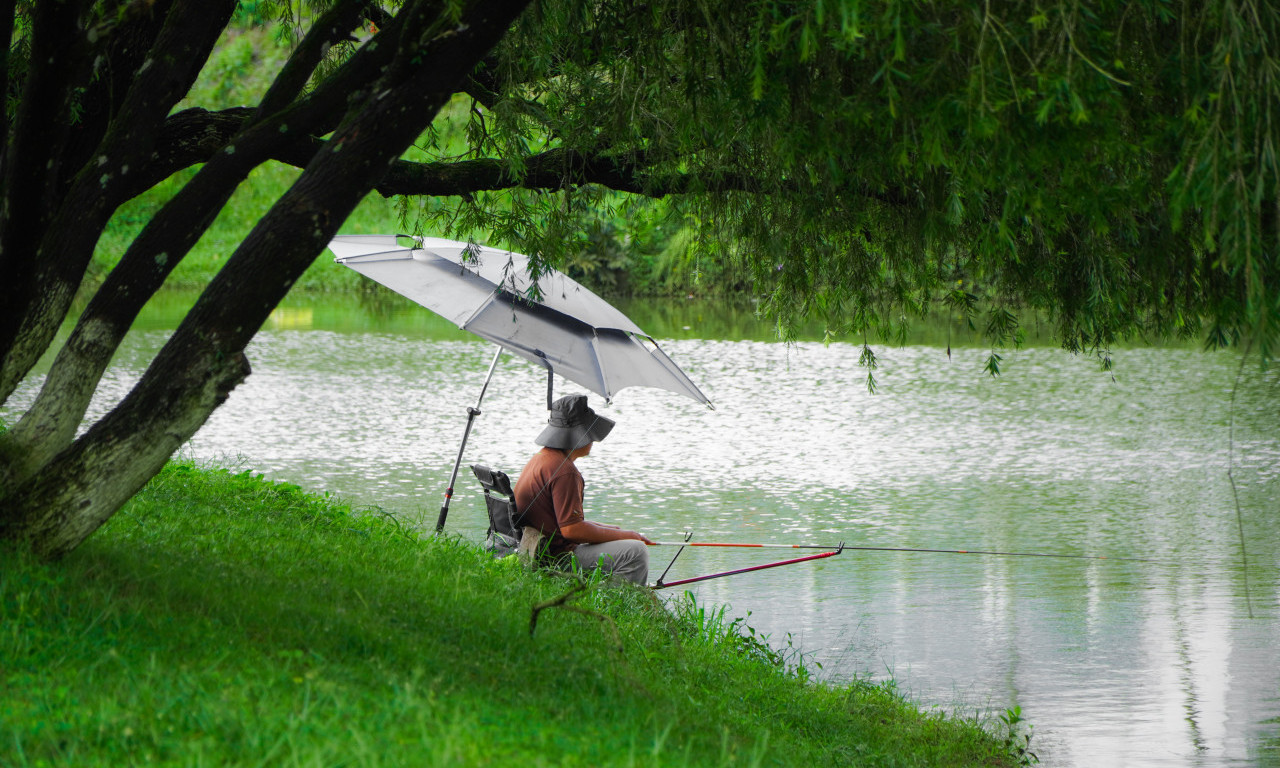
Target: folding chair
[{"x": 506, "y": 533}]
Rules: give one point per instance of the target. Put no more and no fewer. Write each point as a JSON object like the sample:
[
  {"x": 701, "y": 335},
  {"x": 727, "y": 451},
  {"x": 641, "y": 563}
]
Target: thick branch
[
  {"x": 483, "y": 83},
  {"x": 335, "y": 25},
  {"x": 550, "y": 170},
  {"x": 50, "y": 423},
  {"x": 194, "y": 135},
  {"x": 6, "y": 33},
  {"x": 44, "y": 294},
  {"x": 553, "y": 169},
  {"x": 124, "y": 37},
  {"x": 29, "y": 164},
  {"x": 41, "y": 125},
  {"x": 172, "y": 399},
  {"x": 561, "y": 168}
]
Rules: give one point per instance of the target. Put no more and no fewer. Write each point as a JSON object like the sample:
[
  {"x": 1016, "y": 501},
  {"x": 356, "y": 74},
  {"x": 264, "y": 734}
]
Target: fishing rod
[
  {"x": 835, "y": 550},
  {"x": 664, "y": 584},
  {"x": 842, "y": 545}
]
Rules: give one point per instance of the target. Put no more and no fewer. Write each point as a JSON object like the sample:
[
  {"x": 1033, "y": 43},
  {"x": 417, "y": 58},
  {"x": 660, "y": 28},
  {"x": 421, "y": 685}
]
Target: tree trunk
[
  {"x": 48, "y": 252},
  {"x": 75, "y": 492},
  {"x": 50, "y": 423}
]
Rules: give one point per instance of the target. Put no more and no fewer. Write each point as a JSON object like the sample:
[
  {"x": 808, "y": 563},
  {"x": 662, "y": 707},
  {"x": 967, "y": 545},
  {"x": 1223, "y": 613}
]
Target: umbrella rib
[
  {"x": 604, "y": 379},
  {"x": 489, "y": 302},
  {"x": 366, "y": 258},
  {"x": 675, "y": 370}
]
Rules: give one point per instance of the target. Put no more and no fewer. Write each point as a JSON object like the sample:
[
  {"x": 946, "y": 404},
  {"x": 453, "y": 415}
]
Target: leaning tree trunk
[
  {"x": 84, "y": 485},
  {"x": 50, "y": 424},
  {"x": 57, "y": 509},
  {"x": 45, "y": 245}
]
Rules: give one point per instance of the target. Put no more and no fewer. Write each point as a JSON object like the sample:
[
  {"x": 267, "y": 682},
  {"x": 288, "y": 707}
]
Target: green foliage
[
  {"x": 241, "y": 70},
  {"x": 220, "y": 619},
  {"x": 251, "y": 13},
  {"x": 736, "y": 637},
  {"x": 1111, "y": 164},
  {"x": 1017, "y": 739}
]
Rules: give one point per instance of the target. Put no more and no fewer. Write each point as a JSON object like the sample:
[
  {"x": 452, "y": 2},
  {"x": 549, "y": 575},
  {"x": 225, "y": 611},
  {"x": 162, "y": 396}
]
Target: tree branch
[
  {"x": 192, "y": 136},
  {"x": 123, "y": 38},
  {"x": 563, "y": 602},
  {"x": 333, "y": 26},
  {"x": 63, "y": 244},
  {"x": 561, "y": 168},
  {"x": 50, "y": 423}
]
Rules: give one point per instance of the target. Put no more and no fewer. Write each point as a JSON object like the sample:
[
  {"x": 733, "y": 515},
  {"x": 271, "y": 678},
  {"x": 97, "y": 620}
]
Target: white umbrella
[{"x": 553, "y": 321}]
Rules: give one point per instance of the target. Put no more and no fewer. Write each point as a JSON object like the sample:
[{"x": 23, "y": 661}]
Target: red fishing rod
[
  {"x": 842, "y": 545},
  {"x": 663, "y": 585},
  {"x": 837, "y": 549}
]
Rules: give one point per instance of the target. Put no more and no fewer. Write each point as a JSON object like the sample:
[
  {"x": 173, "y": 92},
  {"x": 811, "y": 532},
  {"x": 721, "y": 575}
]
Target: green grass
[
  {"x": 223, "y": 620},
  {"x": 252, "y": 199}
]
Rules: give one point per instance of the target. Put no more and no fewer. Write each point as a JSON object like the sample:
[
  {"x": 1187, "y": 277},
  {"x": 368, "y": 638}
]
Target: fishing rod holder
[
  {"x": 687, "y": 536},
  {"x": 661, "y": 584},
  {"x": 472, "y": 412}
]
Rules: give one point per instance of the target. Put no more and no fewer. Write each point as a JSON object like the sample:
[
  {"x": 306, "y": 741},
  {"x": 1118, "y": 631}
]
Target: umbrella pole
[
  {"x": 551, "y": 374},
  {"x": 472, "y": 413}
]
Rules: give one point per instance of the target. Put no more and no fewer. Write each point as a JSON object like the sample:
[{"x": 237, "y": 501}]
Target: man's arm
[{"x": 587, "y": 532}]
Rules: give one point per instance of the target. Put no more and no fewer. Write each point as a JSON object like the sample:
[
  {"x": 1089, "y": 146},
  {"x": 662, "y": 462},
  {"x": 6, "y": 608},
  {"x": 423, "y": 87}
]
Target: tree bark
[
  {"x": 121, "y": 41},
  {"x": 56, "y": 510},
  {"x": 7, "y": 8},
  {"x": 204, "y": 359},
  {"x": 38, "y": 135},
  {"x": 50, "y": 272},
  {"x": 50, "y": 423}
]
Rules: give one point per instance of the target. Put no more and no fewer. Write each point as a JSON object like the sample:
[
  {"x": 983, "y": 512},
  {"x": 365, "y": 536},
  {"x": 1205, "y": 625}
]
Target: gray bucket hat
[{"x": 571, "y": 424}]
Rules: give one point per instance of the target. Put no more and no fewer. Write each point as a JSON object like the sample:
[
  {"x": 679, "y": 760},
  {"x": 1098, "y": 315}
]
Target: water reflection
[{"x": 1116, "y": 663}]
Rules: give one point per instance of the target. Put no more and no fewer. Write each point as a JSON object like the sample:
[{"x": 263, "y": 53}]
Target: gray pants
[{"x": 627, "y": 559}]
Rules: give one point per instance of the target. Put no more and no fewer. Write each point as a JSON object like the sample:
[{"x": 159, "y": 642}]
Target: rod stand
[
  {"x": 472, "y": 413},
  {"x": 687, "y": 536}
]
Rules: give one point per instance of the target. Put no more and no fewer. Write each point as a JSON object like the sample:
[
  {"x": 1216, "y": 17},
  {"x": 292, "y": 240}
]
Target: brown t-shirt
[{"x": 549, "y": 494}]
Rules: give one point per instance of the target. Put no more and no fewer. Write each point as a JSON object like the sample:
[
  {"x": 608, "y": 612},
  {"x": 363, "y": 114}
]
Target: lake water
[{"x": 1174, "y": 661}]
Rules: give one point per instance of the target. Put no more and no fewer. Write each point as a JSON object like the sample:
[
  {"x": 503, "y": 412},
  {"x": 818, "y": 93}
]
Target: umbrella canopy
[{"x": 553, "y": 321}]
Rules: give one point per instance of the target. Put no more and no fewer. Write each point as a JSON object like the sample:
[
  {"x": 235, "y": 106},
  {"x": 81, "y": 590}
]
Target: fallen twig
[{"x": 563, "y": 602}]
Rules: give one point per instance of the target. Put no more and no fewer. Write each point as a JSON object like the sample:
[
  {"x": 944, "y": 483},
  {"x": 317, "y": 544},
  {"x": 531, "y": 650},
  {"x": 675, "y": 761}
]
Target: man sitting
[{"x": 550, "y": 490}]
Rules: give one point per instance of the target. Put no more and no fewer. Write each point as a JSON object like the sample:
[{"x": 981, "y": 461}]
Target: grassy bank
[{"x": 221, "y": 620}]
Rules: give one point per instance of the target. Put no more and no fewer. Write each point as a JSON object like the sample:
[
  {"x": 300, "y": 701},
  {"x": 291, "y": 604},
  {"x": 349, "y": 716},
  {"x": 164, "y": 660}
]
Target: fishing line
[
  {"x": 834, "y": 549},
  {"x": 906, "y": 549}
]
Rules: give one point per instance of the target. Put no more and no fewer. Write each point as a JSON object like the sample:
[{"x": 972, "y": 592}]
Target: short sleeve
[{"x": 566, "y": 493}]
